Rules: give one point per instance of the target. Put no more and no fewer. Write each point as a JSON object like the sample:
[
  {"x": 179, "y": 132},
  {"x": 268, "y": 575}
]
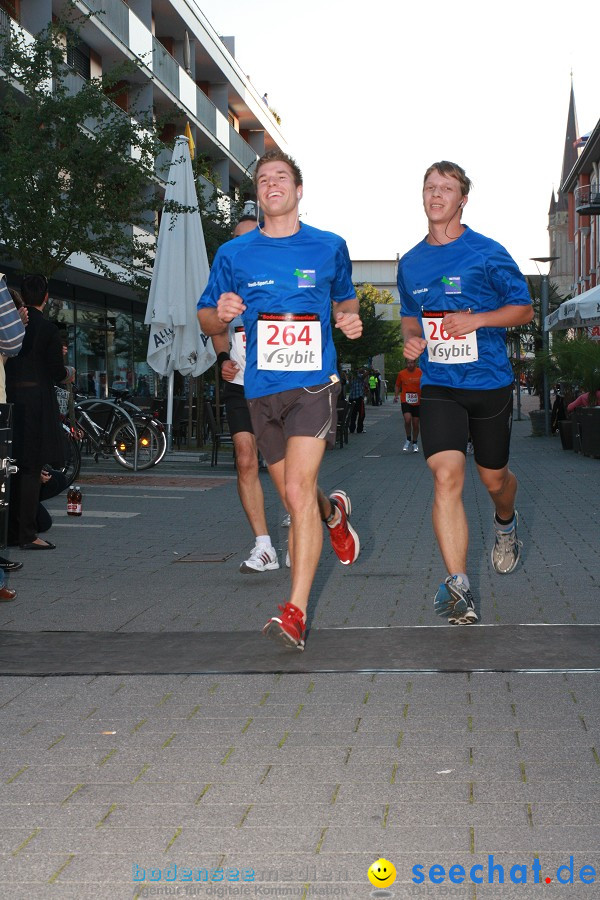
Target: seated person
[{"x": 583, "y": 400}]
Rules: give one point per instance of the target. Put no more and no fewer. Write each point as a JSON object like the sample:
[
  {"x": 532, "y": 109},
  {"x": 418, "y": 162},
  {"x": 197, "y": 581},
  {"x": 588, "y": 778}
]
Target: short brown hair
[
  {"x": 278, "y": 156},
  {"x": 451, "y": 170}
]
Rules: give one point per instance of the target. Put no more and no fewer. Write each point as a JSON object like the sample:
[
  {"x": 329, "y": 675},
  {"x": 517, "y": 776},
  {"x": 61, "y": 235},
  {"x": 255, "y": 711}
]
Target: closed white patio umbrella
[{"x": 176, "y": 342}]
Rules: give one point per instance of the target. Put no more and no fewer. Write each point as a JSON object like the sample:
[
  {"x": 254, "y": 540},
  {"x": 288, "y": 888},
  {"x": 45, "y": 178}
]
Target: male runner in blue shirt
[
  {"x": 459, "y": 292},
  {"x": 284, "y": 278}
]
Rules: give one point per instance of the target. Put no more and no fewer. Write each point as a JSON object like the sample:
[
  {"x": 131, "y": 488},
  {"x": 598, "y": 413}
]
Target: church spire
[{"x": 571, "y": 137}]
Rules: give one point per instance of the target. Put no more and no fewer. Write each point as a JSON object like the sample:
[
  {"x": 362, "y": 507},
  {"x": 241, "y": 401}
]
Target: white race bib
[
  {"x": 238, "y": 344},
  {"x": 412, "y": 398},
  {"x": 288, "y": 341},
  {"x": 441, "y": 348}
]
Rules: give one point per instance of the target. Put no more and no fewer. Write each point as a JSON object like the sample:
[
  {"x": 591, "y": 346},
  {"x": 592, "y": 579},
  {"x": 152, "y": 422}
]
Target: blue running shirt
[
  {"x": 281, "y": 278},
  {"x": 471, "y": 272}
]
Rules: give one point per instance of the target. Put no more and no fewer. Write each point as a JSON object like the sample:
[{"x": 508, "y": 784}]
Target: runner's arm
[
  {"x": 220, "y": 342},
  {"x": 215, "y": 319},
  {"x": 347, "y": 319},
  {"x": 457, "y": 324},
  {"x": 228, "y": 369},
  {"x": 210, "y": 322},
  {"x": 412, "y": 332}
]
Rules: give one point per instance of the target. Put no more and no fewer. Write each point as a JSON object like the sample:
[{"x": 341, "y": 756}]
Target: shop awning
[{"x": 579, "y": 312}]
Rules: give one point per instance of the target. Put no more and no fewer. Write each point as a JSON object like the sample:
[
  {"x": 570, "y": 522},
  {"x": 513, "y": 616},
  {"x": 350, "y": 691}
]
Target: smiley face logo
[{"x": 381, "y": 873}]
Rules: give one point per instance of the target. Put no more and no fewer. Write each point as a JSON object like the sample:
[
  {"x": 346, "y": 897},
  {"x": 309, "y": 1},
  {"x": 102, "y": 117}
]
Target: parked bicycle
[{"x": 113, "y": 428}]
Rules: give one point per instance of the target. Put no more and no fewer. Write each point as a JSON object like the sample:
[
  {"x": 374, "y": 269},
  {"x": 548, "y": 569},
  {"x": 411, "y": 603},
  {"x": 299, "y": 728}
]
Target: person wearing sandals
[{"x": 37, "y": 438}]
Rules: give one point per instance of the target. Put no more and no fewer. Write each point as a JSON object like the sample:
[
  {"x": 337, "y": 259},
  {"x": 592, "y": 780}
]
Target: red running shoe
[
  {"x": 344, "y": 539},
  {"x": 288, "y": 628}
]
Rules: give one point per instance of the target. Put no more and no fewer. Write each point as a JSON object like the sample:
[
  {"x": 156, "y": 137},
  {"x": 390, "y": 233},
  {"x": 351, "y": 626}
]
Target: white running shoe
[
  {"x": 406, "y": 447},
  {"x": 286, "y": 521},
  {"x": 288, "y": 561},
  {"x": 415, "y": 447},
  {"x": 261, "y": 559},
  {"x": 506, "y": 551}
]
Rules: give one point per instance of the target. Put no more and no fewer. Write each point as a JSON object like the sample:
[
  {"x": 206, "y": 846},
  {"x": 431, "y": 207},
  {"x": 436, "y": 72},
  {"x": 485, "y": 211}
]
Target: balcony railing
[
  {"x": 114, "y": 14},
  {"x": 165, "y": 67},
  {"x": 74, "y": 83},
  {"x": 587, "y": 200},
  {"x": 206, "y": 111},
  {"x": 4, "y": 24},
  {"x": 242, "y": 151}
]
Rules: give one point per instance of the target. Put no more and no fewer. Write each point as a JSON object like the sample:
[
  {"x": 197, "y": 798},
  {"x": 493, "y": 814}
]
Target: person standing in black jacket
[{"x": 37, "y": 439}]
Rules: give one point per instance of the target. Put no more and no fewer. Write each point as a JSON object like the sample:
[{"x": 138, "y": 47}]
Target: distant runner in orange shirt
[{"x": 408, "y": 385}]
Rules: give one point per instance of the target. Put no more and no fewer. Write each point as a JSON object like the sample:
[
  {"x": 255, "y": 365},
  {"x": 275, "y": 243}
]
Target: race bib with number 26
[{"x": 441, "y": 347}]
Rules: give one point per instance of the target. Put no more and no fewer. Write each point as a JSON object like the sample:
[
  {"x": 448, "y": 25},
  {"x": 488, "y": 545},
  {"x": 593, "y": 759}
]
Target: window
[{"x": 78, "y": 57}]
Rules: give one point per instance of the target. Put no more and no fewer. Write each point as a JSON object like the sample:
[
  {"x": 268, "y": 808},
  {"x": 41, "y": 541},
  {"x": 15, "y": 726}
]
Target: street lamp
[{"x": 544, "y": 296}]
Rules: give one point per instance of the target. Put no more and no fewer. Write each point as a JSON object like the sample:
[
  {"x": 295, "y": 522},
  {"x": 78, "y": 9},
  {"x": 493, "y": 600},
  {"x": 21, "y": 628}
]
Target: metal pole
[
  {"x": 170, "y": 389},
  {"x": 518, "y": 356},
  {"x": 545, "y": 347}
]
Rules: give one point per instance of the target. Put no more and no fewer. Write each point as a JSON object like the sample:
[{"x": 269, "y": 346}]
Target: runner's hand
[
  {"x": 349, "y": 324},
  {"x": 414, "y": 347},
  {"x": 229, "y": 370},
  {"x": 229, "y": 305},
  {"x": 457, "y": 324}
]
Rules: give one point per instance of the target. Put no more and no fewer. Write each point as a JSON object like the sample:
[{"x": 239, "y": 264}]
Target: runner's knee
[
  {"x": 448, "y": 477},
  {"x": 496, "y": 480}
]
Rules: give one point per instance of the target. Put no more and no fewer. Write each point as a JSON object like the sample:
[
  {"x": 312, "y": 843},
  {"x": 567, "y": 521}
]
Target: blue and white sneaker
[{"x": 454, "y": 601}]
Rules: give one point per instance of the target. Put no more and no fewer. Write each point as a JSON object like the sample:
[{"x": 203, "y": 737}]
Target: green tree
[
  {"x": 379, "y": 336},
  {"x": 77, "y": 173}
]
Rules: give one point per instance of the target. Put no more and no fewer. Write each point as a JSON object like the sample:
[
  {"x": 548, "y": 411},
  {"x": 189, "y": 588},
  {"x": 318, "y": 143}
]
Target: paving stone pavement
[{"x": 118, "y": 787}]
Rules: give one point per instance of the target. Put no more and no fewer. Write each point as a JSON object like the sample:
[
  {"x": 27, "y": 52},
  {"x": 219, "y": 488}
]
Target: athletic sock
[
  {"x": 504, "y": 524},
  {"x": 263, "y": 540},
  {"x": 461, "y": 576}
]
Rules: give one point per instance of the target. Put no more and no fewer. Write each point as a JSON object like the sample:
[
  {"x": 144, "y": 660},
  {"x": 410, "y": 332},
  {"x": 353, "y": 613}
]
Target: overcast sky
[{"x": 370, "y": 93}]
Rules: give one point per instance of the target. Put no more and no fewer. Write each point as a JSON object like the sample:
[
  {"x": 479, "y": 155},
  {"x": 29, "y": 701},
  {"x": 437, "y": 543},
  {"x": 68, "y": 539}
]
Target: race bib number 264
[{"x": 289, "y": 341}]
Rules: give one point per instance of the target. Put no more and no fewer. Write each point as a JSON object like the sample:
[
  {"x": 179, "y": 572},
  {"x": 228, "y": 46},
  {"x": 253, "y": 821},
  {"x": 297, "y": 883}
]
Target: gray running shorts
[{"x": 302, "y": 412}]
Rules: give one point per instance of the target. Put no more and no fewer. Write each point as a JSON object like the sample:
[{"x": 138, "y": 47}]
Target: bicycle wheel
[
  {"x": 152, "y": 444},
  {"x": 72, "y": 455}
]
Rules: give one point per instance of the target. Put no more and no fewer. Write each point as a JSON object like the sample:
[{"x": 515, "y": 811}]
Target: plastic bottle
[{"x": 74, "y": 501}]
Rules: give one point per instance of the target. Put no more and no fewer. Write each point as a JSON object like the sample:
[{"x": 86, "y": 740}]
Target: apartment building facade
[
  {"x": 581, "y": 186},
  {"x": 188, "y": 74}
]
